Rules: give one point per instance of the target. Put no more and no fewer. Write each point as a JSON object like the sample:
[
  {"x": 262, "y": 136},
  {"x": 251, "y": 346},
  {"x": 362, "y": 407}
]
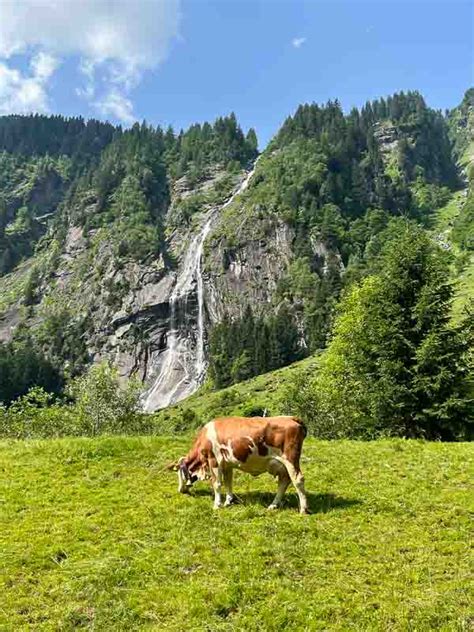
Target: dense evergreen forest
[
  {"x": 57, "y": 172},
  {"x": 345, "y": 186}
]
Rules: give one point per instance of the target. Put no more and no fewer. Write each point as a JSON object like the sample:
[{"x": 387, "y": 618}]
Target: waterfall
[{"x": 181, "y": 367}]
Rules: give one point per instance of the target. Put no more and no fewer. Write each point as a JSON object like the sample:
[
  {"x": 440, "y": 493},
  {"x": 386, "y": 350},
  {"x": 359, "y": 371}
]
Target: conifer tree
[
  {"x": 396, "y": 365},
  {"x": 252, "y": 140}
]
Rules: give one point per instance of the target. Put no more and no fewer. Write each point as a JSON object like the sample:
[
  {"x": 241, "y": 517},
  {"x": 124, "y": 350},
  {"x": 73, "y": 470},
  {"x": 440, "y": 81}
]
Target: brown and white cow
[{"x": 254, "y": 445}]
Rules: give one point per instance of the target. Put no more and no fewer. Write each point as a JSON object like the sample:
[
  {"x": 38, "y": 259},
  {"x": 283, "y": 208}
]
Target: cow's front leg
[
  {"x": 228, "y": 479},
  {"x": 217, "y": 477},
  {"x": 283, "y": 482}
]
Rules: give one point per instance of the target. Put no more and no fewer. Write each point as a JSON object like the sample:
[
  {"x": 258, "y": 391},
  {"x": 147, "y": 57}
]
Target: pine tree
[
  {"x": 220, "y": 361},
  {"x": 252, "y": 141},
  {"x": 261, "y": 350},
  {"x": 396, "y": 365},
  {"x": 287, "y": 336},
  {"x": 31, "y": 287}
]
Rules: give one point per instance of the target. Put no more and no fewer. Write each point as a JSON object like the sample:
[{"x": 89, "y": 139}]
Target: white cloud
[
  {"x": 115, "y": 41},
  {"x": 297, "y": 42},
  {"x": 25, "y": 93},
  {"x": 116, "y": 105},
  {"x": 44, "y": 65}
]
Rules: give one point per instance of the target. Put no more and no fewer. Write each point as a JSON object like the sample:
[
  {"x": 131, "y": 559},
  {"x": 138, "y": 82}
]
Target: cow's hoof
[
  {"x": 272, "y": 507},
  {"x": 305, "y": 511},
  {"x": 215, "y": 507}
]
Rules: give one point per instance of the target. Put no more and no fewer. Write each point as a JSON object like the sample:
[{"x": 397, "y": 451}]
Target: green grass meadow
[{"x": 94, "y": 535}]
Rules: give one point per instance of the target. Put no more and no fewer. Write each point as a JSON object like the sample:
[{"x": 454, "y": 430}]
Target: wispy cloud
[
  {"x": 297, "y": 42},
  {"x": 116, "y": 105},
  {"x": 114, "y": 41},
  {"x": 26, "y": 92}
]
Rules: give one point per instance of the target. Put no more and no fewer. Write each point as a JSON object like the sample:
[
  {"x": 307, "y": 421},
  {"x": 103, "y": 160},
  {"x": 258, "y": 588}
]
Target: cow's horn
[{"x": 174, "y": 466}]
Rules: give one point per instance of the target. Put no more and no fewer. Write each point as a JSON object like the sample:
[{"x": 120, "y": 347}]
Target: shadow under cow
[{"x": 317, "y": 503}]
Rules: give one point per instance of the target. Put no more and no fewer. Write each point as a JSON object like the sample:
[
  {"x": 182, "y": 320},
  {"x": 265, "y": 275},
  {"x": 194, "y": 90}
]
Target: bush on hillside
[
  {"x": 176, "y": 421},
  {"x": 37, "y": 414},
  {"x": 102, "y": 404}
]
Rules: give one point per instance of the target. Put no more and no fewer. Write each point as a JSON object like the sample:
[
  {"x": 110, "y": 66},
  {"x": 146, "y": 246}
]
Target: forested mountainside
[
  {"x": 326, "y": 196},
  {"x": 167, "y": 253}
]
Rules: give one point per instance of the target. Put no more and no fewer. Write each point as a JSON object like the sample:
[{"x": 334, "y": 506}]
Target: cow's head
[{"x": 188, "y": 474}]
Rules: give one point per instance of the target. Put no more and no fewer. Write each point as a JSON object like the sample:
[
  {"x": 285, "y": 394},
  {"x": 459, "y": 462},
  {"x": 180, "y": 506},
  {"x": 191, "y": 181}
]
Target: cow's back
[
  {"x": 267, "y": 427},
  {"x": 243, "y": 436}
]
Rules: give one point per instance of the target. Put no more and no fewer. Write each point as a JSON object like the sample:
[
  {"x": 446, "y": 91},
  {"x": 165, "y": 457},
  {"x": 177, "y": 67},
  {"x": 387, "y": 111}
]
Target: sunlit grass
[{"x": 93, "y": 534}]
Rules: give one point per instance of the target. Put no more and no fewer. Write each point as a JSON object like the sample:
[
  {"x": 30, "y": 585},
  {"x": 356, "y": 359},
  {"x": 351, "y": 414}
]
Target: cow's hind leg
[
  {"x": 283, "y": 482},
  {"x": 228, "y": 478},
  {"x": 297, "y": 479}
]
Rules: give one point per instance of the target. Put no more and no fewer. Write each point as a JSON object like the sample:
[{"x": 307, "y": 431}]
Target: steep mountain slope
[
  {"x": 461, "y": 128},
  {"x": 461, "y": 225},
  {"x": 101, "y": 233},
  {"x": 100, "y": 283},
  {"x": 307, "y": 226}
]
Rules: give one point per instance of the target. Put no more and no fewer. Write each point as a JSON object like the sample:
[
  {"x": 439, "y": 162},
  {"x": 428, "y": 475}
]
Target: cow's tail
[{"x": 302, "y": 424}]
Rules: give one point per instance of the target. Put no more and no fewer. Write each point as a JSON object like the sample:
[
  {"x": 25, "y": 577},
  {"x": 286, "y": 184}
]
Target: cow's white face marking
[
  {"x": 185, "y": 482},
  {"x": 201, "y": 474},
  {"x": 182, "y": 487}
]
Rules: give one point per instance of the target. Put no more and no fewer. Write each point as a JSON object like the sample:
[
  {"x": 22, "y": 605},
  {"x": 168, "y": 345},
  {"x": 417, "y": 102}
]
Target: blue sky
[{"x": 178, "y": 62}]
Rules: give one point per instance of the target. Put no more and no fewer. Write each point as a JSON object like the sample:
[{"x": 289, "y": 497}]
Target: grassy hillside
[
  {"x": 465, "y": 290},
  {"x": 443, "y": 218},
  {"x": 245, "y": 398},
  {"x": 442, "y": 224},
  {"x": 94, "y": 535}
]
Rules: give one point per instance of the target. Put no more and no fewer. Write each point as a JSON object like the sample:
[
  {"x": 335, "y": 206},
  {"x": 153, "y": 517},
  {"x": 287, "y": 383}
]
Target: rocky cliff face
[
  {"x": 158, "y": 332},
  {"x": 147, "y": 318},
  {"x": 461, "y": 129},
  {"x": 246, "y": 274}
]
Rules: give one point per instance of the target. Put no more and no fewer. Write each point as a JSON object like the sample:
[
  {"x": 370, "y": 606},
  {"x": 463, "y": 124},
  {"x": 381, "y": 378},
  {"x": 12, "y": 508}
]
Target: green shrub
[
  {"x": 102, "y": 404},
  {"x": 37, "y": 414},
  {"x": 254, "y": 410},
  {"x": 175, "y": 421}
]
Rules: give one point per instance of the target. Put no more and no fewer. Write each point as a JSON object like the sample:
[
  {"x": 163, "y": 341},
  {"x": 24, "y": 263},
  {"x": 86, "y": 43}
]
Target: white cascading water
[{"x": 182, "y": 365}]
